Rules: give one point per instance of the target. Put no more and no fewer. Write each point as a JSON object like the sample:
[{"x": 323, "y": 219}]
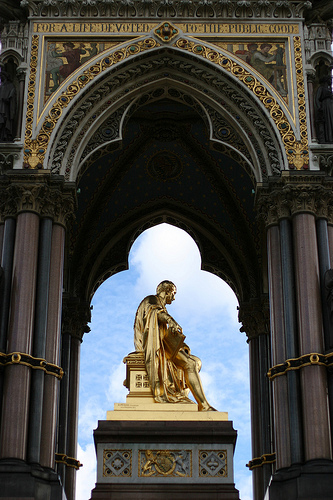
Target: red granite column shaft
[
  {"x": 17, "y": 377},
  {"x": 279, "y": 384},
  {"x": 72, "y": 429},
  {"x": 52, "y": 350},
  {"x": 310, "y": 325}
]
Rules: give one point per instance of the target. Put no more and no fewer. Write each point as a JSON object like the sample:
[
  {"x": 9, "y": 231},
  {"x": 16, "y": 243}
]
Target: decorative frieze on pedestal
[{"x": 183, "y": 460}]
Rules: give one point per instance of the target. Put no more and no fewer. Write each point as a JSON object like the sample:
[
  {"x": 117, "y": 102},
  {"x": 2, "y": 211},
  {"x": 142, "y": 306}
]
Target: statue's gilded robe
[{"x": 166, "y": 379}]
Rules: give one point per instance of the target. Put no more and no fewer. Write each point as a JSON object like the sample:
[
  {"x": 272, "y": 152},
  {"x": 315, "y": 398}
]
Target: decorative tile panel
[
  {"x": 117, "y": 463},
  {"x": 213, "y": 463}
]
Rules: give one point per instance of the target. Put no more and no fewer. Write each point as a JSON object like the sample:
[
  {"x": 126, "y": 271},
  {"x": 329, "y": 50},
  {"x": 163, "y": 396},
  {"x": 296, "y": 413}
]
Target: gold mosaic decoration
[
  {"x": 297, "y": 152},
  {"x": 34, "y": 151}
]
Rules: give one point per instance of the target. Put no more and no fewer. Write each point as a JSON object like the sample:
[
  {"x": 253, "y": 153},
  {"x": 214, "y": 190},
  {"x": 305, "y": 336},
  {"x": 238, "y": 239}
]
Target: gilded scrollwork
[
  {"x": 35, "y": 149},
  {"x": 296, "y": 151},
  {"x": 33, "y": 152}
]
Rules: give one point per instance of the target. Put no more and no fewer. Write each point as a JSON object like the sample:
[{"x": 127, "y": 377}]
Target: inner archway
[{"x": 205, "y": 306}]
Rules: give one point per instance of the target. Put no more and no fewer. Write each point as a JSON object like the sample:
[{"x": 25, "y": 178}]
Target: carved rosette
[
  {"x": 254, "y": 316},
  {"x": 37, "y": 194},
  {"x": 292, "y": 195}
]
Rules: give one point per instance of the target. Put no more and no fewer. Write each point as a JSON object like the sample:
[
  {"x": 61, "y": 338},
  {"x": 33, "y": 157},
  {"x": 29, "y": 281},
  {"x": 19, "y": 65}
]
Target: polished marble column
[
  {"x": 279, "y": 384},
  {"x": 52, "y": 348},
  {"x": 14, "y": 428},
  {"x": 317, "y": 440}
]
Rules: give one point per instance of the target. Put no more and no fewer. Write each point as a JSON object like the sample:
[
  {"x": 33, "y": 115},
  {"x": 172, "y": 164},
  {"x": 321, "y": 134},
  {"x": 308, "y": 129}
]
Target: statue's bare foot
[{"x": 207, "y": 408}]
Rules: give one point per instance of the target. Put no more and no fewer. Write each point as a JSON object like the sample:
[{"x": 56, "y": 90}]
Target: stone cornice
[
  {"x": 294, "y": 194},
  {"x": 39, "y": 193},
  {"x": 159, "y": 9}
]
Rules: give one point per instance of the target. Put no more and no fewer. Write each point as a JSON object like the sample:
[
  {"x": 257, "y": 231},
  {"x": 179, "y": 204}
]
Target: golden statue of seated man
[{"x": 171, "y": 369}]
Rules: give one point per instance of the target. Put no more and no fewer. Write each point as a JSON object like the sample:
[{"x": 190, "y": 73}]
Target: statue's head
[
  {"x": 168, "y": 290},
  {"x": 166, "y": 286}
]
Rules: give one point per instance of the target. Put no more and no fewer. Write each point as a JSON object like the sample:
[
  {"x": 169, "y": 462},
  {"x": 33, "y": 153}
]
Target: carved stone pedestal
[{"x": 178, "y": 460}]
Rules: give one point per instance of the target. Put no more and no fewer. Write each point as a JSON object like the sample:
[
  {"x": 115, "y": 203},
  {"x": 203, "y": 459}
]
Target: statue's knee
[{"x": 191, "y": 365}]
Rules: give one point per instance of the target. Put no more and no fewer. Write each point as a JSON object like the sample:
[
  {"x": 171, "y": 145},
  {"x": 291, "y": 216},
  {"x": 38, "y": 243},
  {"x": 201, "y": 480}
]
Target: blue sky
[{"x": 205, "y": 307}]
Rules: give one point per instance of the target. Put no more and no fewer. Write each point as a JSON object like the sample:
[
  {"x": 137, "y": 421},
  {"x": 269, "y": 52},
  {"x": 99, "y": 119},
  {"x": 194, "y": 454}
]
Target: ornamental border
[{"x": 296, "y": 151}]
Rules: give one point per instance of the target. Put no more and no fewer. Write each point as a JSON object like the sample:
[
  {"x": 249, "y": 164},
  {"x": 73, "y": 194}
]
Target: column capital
[
  {"x": 76, "y": 314},
  {"x": 254, "y": 316},
  {"x": 292, "y": 194},
  {"x": 44, "y": 194}
]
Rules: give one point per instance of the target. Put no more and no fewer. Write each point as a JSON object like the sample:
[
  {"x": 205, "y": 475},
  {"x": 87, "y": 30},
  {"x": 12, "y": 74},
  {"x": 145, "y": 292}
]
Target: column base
[
  {"x": 312, "y": 480},
  {"x": 167, "y": 459},
  {"x": 28, "y": 482}
]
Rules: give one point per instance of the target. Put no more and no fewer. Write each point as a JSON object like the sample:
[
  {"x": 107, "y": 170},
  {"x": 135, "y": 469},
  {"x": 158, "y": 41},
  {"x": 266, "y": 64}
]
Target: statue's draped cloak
[{"x": 166, "y": 379}]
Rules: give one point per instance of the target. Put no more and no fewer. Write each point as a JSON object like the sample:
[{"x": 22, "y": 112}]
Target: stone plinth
[{"x": 178, "y": 460}]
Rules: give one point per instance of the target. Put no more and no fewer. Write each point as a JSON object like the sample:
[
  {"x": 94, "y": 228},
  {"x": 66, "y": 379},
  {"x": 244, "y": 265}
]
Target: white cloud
[
  {"x": 91, "y": 410},
  {"x": 116, "y": 390},
  {"x": 86, "y": 475},
  {"x": 245, "y": 487}
]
